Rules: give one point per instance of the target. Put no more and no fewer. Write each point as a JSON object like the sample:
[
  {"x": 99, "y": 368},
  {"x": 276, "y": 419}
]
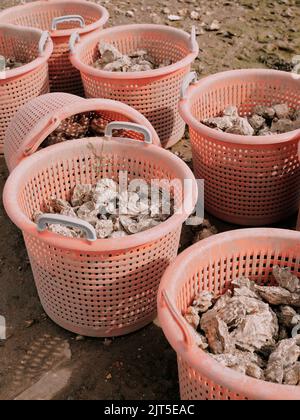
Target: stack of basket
[{"x": 109, "y": 287}]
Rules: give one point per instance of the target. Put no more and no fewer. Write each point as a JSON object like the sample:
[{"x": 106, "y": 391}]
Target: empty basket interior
[{"x": 41, "y": 15}]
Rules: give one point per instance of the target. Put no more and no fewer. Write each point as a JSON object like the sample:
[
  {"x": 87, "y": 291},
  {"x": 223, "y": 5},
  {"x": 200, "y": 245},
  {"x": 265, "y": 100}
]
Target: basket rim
[
  {"x": 37, "y": 62},
  {"x": 48, "y": 122},
  {"x": 15, "y": 182},
  {"x": 61, "y": 32},
  {"x": 94, "y": 38},
  {"x": 197, "y": 358},
  {"x": 193, "y": 90}
]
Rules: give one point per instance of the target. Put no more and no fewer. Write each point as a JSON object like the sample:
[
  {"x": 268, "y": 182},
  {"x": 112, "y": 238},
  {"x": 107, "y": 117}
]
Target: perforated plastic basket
[
  {"x": 248, "y": 180},
  {"x": 61, "y": 19},
  {"x": 106, "y": 287},
  {"x": 213, "y": 264},
  {"x": 19, "y": 85},
  {"x": 298, "y": 221},
  {"x": 154, "y": 93},
  {"x": 41, "y": 116}
]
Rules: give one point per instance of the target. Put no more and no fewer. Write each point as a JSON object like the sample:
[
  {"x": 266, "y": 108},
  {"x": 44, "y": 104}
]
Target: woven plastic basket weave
[
  {"x": 154, "y": 93},
  {"x": 61, "y": 18},
  {"x": 212, "y": 265},
  {"x": 298, "y": 221},
  {"x": 19, "y": 85},
  {"x": 106, "y": 287},
  {"x": 248, "y": 180},
  {"x": 41, "y": 116}
]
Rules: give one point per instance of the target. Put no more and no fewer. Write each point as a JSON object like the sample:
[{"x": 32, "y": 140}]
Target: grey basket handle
[
  {"x": 122, "y": 125},
  {"x": 68, "y": 18},
  {"x": 43, "y": 42},
  {"x": 193, "y": 40},
  {"x": 188, "y": 79},
  {"x": 57, "y": 219},
  {"x": 75, "y": 37}
]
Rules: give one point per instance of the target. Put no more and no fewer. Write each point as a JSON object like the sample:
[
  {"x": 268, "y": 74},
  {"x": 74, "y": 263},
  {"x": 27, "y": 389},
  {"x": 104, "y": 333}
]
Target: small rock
[
  {"x": 214, "y": 26},
  {"x": 79, "y": 338},
  {"x": 205, "y": 233},
  {"x": 29, "y": 323},
  {"x": 183, "y": 12},
  {"x": 195, "y": 15},
  {"x": 156, "y": 19},
  {"x": 130, "y": 13},
  {"x": 195, "y": 221},
  {"x": 174, "y": 18}
]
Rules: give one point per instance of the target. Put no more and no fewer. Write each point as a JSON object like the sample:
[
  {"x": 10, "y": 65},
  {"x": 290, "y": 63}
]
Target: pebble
[
  {"x": 174, "y": 18},
  {"x": 195, "y": 15},
  {"x": 79, "y": 338},
  {"x": 29, "y": 323},
  {"x": 214, "y": 26},
  {"x": 166, "y": 11}
]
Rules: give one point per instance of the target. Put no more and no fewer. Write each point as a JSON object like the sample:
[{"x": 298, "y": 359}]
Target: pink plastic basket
[
  {"x": 19, "y": 85},
  {"x": 211, "y": 265},
  {"x": 154, "y": 93},
  {"x": 298, "y": 221},
  {"x": 41, "y": 116},
  {"x": 61, "y": 18},
  {"x": 106, "y": 287},
  {"x": 248, "y": 180}
]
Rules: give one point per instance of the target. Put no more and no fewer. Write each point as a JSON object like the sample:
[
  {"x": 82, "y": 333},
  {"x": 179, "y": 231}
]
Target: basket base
[
  {"x": 101, "y": 332},
  {"x": 172, "y": 142},
  {"x": 250, "y": 221}
]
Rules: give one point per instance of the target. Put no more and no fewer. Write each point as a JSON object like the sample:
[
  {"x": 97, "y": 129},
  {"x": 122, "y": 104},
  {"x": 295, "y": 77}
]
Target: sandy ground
[{"x": 251, "y": 33}]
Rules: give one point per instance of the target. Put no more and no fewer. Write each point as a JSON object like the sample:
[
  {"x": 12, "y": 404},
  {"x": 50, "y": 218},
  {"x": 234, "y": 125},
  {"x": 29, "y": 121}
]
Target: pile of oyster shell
[
  {"x": 9, "y": 63},
  {"x": 84, "y": 125},
  {"x": 111, "y": 59},
  {"x": 112, "y": 213},
  {"x": 265, "y": 121},
  {"x": 252, "y": 329}
]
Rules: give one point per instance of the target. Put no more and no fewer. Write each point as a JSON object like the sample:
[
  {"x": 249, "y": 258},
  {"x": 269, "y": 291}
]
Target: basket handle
[
  {"x": 188, "y": 79},
  {"x": 31, "y": 147},
  {"x": 74, "y": 39},
  {"x": 43, "y": 42},
  {"x": 188, "y": 341},
  {"x": 68, "y": 18},
  {"x": 58, "y": 219},
  {"x": 121, "y": 125},
  {"x": 193, "y": 40}
]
